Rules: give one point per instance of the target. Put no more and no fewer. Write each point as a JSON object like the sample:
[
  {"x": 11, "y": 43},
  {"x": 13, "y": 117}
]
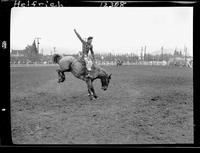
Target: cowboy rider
[{"x": 86, "y": 47}]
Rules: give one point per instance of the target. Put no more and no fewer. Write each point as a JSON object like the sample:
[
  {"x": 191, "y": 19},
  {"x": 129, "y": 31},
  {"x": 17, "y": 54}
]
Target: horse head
[{"x": 105, "y": 80}]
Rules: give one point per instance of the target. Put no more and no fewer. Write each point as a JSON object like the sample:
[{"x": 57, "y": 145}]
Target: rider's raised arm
[
  {"x": 92, "y": 53},
  {"x": 78, "y": 36}
]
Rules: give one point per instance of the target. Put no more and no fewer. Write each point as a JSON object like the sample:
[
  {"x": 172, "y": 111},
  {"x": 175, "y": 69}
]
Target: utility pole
[
  {"x": 162, "y": 52},
  {"x": 54, "y": 49},
  {"x": 175, "y": 52},
  {"x": 38, "y": 38},
  {"x": 141, "y": 53},
  {"x": 145, "y": 54},
  {"x": 185, "y": 50}
]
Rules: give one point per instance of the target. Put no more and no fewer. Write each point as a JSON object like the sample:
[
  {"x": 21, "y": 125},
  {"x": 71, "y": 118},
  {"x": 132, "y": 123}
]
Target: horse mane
[
  {"x": 102, "y": 72},
  {"x": 56, "y": 58}
]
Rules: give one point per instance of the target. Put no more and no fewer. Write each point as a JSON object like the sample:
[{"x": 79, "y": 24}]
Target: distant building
[
  {"x": 178, "y": 61},
  {"x": 17, "y": 53},
  {"x": 30, "y": 53}
]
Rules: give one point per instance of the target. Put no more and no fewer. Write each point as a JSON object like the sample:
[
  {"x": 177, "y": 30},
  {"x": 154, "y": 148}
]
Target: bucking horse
[{"x": 78, "y": 68}]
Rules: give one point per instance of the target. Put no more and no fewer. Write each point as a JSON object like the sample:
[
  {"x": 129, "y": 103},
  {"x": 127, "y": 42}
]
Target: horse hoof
[
  {"x": 94, "y": 98},
  {"x": 59, "y": 81}
]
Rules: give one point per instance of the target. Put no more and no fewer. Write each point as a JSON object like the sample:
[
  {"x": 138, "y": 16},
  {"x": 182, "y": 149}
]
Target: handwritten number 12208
[{"x": 113, "y": 4}]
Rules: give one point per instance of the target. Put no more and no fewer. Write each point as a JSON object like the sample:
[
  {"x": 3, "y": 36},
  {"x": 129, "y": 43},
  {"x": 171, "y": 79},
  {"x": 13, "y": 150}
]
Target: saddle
[{"x": 86, "y": 71}]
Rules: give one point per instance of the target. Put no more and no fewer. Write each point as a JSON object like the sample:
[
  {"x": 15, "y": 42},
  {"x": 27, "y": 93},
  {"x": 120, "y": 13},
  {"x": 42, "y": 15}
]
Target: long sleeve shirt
[{"x": 86, "y": 47}]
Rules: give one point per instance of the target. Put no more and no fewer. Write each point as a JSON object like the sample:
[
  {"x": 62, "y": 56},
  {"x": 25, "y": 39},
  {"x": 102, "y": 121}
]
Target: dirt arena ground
[{"x": 143, "y": 105}]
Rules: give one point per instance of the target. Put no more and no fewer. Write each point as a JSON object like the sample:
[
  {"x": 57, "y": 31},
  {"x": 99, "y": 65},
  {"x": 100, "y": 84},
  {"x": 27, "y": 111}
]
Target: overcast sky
[{"x": 116, "y": 30}]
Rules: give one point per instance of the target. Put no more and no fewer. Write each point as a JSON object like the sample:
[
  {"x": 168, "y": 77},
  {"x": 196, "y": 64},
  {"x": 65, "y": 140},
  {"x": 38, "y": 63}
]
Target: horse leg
[
  {"x": 93, "y": 91},
  {"x": 89, "y": 93},
  {"x": 61, "y": 75},
  {"x": 94, "y": 94},
  {"x": 89, "y": 86}
]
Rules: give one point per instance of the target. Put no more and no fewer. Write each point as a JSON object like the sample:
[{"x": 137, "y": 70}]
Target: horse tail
[{"x": 56, "y": 58}]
